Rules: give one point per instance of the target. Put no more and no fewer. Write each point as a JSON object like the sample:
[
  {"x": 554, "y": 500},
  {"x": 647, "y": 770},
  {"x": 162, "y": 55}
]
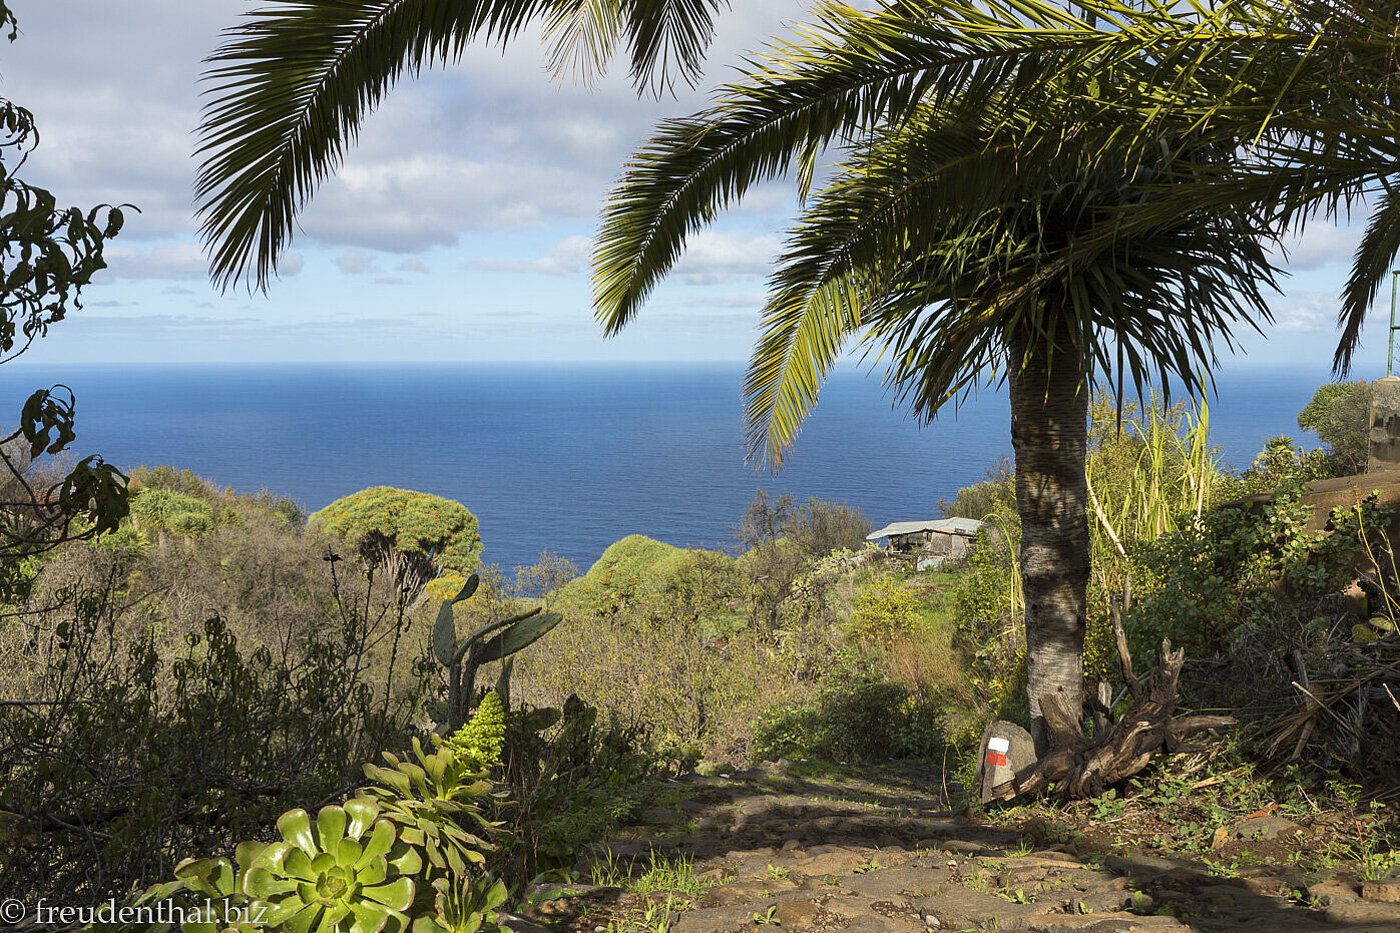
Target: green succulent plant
[
  {"x": 480, "y": 741},
  {"x": 463, "y": 906},
  {"x": 463, "y": 657},
  {"x": 432, "y": 801},
  {"x": 216, "y": 886},
  {"x": 106, "y": 921},
  {"x": 333, "y": 875}
]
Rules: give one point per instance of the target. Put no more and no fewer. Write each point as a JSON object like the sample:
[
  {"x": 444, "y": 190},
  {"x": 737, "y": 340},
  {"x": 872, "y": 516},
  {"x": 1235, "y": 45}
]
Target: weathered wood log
[{"x": 1084, "y": 766}]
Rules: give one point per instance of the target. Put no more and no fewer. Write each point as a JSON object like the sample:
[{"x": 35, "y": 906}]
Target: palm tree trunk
[{"x": 1049, "y": 434}]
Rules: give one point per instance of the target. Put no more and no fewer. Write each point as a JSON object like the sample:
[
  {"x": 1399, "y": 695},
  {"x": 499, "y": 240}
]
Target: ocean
[{"x": 567, "y": 457}]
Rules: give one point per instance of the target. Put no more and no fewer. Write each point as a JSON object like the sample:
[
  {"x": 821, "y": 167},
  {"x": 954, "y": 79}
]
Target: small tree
[
  {"x": 1339, "y": 414},
  {"x": 413, "y": 535},
  {"x": 782, "y": 539}
]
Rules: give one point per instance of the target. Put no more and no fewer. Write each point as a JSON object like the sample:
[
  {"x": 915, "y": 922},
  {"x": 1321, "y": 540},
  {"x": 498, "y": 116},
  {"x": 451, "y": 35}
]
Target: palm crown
[{"x": 956, "y": 258}]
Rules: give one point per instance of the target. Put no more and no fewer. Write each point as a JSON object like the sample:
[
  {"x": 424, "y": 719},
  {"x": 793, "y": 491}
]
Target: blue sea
[{"x": 566, "y": 457}]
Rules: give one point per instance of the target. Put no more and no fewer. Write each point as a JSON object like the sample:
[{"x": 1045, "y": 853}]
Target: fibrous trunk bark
[{"x": 1049, "y": 434}]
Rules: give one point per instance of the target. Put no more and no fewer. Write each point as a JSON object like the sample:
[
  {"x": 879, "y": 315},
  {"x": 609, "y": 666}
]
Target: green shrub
[
  {"x": 571, "y": 781},
  {"x": 1248, "y": 569},
  {"x": 650, "y": 578},
  {"x": 995, "y": 494},
  {"x": 781, "y": 542},
  {"x": 1339, "y": 413},
  {"x": 857, "y": 716},
  {"x": 402, "y": 853},
  {"x": 166, "y": 510},
  {"x": 126, "y": 748},
  {"x": 884, "y": 611}
]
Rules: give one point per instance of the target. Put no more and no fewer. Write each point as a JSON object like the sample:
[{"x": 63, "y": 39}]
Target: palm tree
[
  {"x": 1304, "y": 89},
  {"x": 291, "y": 85},
  {"x": 954, "y": 259}
]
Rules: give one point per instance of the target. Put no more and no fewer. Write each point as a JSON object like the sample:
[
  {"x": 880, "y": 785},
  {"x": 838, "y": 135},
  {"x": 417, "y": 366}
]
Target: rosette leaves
[
  {"x": 462, "y": 906},
  {"x": 434, "y": 802},
  {"x": 215, "y": 885},
  {"x": 332, "y": 874}
]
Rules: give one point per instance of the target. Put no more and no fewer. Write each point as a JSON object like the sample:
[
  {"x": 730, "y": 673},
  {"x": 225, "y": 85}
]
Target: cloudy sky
[{"x": 458, "y": 229}]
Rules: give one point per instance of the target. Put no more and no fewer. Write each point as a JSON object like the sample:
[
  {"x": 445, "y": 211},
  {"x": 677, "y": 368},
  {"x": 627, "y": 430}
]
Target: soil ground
[{"x": 801, "y": 850}]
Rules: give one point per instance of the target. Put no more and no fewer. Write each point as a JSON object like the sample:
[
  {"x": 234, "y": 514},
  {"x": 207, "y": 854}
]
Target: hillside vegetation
[{"x": 217, "y": 661}]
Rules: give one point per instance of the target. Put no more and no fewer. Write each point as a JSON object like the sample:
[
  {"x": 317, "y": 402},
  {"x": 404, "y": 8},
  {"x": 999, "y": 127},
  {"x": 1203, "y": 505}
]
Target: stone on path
[{"x": 1006, "y": 752}]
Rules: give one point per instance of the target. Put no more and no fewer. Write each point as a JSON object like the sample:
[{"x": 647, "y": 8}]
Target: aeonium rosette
[{"x": 333, "y": 874}]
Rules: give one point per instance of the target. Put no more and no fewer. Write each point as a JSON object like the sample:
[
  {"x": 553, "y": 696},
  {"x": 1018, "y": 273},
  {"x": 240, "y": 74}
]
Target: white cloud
[
  {"x": 714, "y": 256},
  {"x": 711, "y": 257},
  {"x": 569, "y": 258},
  {"x": 413, "y": 265},
  {"x": 1306, "y": 313},
  {"x": 1320, "y": 244},
  {"x": 355, "y": 262},
  {"x": 163, "y": 261},
  {"x": 488, "y": 144}
]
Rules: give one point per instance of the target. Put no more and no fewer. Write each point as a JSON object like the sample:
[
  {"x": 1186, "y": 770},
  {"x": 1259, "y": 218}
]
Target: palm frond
[
  {"x": 290, "y": 86},
  {"x": 288, "y": 90},
  {"x": 1375, "y": 257}
]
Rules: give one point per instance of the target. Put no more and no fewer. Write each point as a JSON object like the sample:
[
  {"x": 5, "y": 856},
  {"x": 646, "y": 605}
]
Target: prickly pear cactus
[{"x": 463, "y": 657}]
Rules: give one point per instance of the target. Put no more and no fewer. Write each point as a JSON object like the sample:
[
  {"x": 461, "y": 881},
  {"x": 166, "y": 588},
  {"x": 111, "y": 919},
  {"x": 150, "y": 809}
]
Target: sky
[{"x": 458, "y": 229}]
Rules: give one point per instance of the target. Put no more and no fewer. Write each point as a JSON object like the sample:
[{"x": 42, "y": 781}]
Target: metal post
[{"x": 1390, "y": 355}]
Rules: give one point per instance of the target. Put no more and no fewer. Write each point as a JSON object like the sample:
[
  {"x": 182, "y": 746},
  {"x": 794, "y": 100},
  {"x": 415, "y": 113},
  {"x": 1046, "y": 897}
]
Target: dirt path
[{"x": 768, "y": 849}]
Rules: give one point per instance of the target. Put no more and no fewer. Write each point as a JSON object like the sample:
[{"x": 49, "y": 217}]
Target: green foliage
[
  {"x": 645, "y": 577},
  {"x": 782, "y": 541},
  {"x": 628, "y": 571},
  {"x": 435, "y": 799},
  {"x": 48, "y": 255},
  {"x": 396, "y": 855},
  {"x": 167, "y": 510},
  {"x": 1243, "y": 570},
  {"x": 135, "y": 733},
  {"x": 462, "y": 658},
  {"x": 413, "y": 534},
  {"x": 884, "y": 611},
  {"x": 1339, "y": 414},
  {"x": 330, "y": 875},
  {"x": 858, "y": 715},
  {"x": 994, "y": 495},
  {"x": 1279, "y": 463},
  {"x": 481, "y": 740},
  {"x": 571, "y": 780},
  {"x": 1149, "y": 471}
]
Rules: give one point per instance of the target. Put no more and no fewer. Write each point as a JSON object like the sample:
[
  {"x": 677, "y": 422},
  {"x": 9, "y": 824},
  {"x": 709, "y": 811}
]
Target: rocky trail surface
[{"x": 770, "y": 849}]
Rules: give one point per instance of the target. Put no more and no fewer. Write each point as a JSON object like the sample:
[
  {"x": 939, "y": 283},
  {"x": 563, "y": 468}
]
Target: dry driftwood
[{"x": 1083, "y": 766}]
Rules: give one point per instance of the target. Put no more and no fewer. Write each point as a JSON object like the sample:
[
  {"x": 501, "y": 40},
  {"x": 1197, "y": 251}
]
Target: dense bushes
[
  {"x": 1339, "y": 413},
  {"x": 646, "y": 578},
  {"x": 129, "y": 751},
  {"x": 781, "y": 541},
  {"x": 168, "y": 694},
  {"x": 1252, "y": 574}
]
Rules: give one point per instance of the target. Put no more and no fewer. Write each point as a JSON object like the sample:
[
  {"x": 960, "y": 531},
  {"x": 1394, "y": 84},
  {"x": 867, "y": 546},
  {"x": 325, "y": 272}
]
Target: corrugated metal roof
[{"x": 957, "y": 526}]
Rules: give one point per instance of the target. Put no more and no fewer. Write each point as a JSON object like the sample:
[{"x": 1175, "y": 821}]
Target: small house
[{"x": 940, "y": 540}]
